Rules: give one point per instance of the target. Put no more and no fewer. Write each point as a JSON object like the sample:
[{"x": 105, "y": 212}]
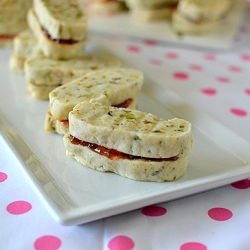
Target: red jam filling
[
  {"x": 59, "y": 41},
  {"x": 113, "y": 154},
  {"x": 173, "y": 6},
  {"x": 6, "y": 36},
  {"x": 65, "y": 122},
  {"x": 124, "y": 104}
]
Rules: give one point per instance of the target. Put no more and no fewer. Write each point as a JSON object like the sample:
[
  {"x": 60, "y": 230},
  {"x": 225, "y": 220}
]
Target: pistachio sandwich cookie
[
  {"x": 131, "y": 143},
  {"x": 24, "y": 46},
  {"x": 104, "y": 7},
  {"x": 117, "y": 87},
  {"x": 152, "y": 10},
  {"x": 44, "y": 74},
  {"x": 12, "y": 19},
  {"x": 59, "y": 26},
  {"x": 199, "y": 16}
]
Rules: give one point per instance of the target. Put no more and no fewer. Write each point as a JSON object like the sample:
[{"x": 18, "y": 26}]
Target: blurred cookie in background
[
  {"x": 152, "y": 10},
  {"x": 199, "y": 16},
  {"x": 12, "y": 19},
  {"x": 102, "y": 7}
]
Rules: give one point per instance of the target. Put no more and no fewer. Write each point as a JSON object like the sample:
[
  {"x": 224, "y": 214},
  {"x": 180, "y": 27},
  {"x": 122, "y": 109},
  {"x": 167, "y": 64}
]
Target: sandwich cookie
[
  {"x": 44, "y": 74},
  {"x": 199, "y": 16},
  {"x": 131, "y": 143},
  {"x": 117, "y": 87},
  {"x": 24, "y": 46},
  {"x": 59, "y": 26},
  {"x": 152, "y": 10},
  {"x": 104, "y": 7},
  {"x": 12, "y": 19}
]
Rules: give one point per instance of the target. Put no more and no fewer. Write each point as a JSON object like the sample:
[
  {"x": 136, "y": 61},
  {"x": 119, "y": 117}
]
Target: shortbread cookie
[
  {"x": 198, "y": 16},
  {"x": 12, "y": 19},
  {"x": 104, "y": 8},
  {"x": 151, "y": 10},
  {"x": 44, "y": 74},
  {"x": 63, "y": 20},
  {"x": 58, "y": 47},
  {"x": 24, "y": 46},
  {"x": 118, "y": 87},
  {"x": 131, "y": 143}
]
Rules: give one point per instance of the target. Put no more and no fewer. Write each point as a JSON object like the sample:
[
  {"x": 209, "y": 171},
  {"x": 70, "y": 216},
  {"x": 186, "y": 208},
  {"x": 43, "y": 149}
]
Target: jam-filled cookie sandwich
[
  {"x": 131, "y": 143},
  {"x": 60, "y": 27},
  {"x": 12, "y": 19},
  {"x": 117, "y": 87},
  {"x": 24, "y": 46},
  {"x": 152, "y": 10},
  {"x": 199, "y": 16},
  {"x": 44, "y": 74}
]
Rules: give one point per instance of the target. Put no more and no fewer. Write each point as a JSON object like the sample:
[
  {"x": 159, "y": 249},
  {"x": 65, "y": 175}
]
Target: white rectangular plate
[
  {"x": 123, "y": 24},
  {"x": 76, "y": 194}
]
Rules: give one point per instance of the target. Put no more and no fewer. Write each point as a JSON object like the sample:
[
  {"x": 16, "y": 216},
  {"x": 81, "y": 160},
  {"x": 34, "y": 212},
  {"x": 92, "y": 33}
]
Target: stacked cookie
[
  {"x": 92, "y": 100},
  {"x": 152, "y": 10},
  {"x": 60, "y": 28},
  {"x": 131, "y": 143},
  {"x": 199, "y": 16},
  {"x": 25, "y": 46},
  {"x": 104, "y": 7},
  {"x": 185, "y": 16},
  {"x": 117, "y": 87},
  {"x": 52, "y": 52},
  {"x": 12, "y": 19}
]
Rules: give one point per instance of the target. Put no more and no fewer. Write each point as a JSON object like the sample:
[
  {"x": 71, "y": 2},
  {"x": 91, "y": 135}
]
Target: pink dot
[
  {"x": 234, "y": 69},
  {"x": 171, "y": 55},
  {"x": 220, "y": 213},
  {"x": 3, "y": 176},
  {"x": 180, "y": 75},
  {"x": 154, "y": 211},
  {"x": 150, "y": 42},
  {"x": 238, "y": 112},
  {"x": 247, "y": 91},
  {"x": 121, "y": 242},
  {"x": 209, "y": 91},
  {"x": 47, "y": 242},
  {"x": 156, "y": 62},
  {"x": 245, "y": 57},
  {"x": 223, "y": 79},
  {"x": 196, "y": 67},
  {"x": 19, "y": 207},
  {"x": 193, "y": 246},
  {"x": 134, "y": 49},
  {"x": 243, "y": 184},
  {"x": 210, "y": 57}
]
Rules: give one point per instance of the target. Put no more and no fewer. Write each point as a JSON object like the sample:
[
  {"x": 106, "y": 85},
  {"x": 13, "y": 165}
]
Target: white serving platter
[
  {"x": 123, "y": 24},
  {"x": 75, "y": 194}
]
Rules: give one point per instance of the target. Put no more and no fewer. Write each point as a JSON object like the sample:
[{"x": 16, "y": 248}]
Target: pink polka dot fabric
[{"x": 214, "y": 83}]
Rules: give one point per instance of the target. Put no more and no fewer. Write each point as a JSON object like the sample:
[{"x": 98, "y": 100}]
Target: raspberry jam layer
[
  {"x": 6, "y": 36},
  {"x": 124, "y": 104},
  {"x": 59, "y": 41},
  {"x": 113, "y": 154}
]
